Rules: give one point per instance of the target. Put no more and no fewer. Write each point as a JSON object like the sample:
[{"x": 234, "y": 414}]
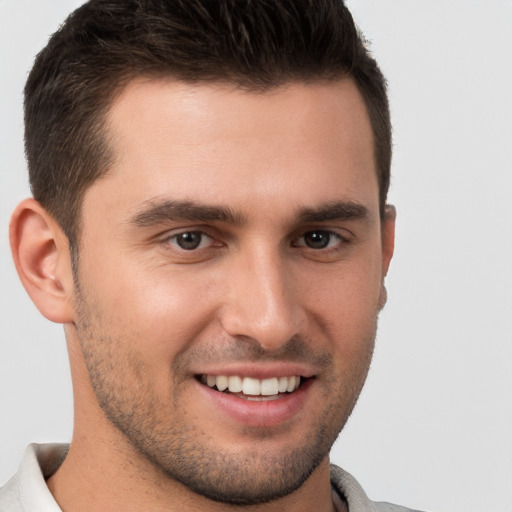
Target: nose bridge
[{"x": 262, "y": 303}]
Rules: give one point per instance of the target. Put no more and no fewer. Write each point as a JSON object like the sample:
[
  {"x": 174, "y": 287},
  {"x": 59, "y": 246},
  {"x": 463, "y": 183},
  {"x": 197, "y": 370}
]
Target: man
[{"x": 210, "y": 225}]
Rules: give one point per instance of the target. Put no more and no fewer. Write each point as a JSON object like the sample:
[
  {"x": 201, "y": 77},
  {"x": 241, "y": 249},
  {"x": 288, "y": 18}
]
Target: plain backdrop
[{"x": 433, "y": 428}]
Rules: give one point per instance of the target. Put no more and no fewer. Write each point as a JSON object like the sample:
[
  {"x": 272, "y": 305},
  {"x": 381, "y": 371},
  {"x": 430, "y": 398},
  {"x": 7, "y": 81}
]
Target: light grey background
[{"x": 433, "y": 428}]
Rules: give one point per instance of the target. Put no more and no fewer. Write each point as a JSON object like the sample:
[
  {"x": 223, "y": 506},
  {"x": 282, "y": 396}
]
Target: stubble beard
[{"x": 185, "y": 452}]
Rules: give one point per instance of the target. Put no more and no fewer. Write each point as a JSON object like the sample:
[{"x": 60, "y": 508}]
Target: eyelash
[
  {"x": 319, "y": 233},
  {"x": 174, "y": 239},
  {"x": 341, "y": 240}
]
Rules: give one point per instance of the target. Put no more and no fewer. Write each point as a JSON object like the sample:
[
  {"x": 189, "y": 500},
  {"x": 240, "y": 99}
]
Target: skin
[{"x": 144, "y": 317}]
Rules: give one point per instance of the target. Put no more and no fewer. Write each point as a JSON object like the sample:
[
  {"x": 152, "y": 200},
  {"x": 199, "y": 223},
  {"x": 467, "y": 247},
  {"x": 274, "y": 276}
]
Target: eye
[
  {"x": 191, "y": 240},
  {"x": 319, "y": 239}
]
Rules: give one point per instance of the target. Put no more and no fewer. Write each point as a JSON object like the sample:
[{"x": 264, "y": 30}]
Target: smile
[{"x": 251, "y": 388}]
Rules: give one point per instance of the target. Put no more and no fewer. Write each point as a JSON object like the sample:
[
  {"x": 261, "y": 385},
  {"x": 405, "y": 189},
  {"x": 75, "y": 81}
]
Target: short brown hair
[{"x": 254, "y": 44}]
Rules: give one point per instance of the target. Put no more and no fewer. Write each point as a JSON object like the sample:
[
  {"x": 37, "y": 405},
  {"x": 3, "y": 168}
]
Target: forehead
[{"x": 299, "y": 143}]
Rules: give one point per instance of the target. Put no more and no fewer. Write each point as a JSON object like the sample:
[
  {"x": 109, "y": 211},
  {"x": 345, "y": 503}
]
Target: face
[{"x": 229, "y": 280}]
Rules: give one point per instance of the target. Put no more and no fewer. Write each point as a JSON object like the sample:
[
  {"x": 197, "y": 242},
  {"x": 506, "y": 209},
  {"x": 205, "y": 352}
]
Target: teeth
[
  {"x": 270, "y": 387},
  {"x": 250, "y": 386},
  {"x": 291, "y": 384},
  {"x": 283, "y": 385},
  {"x": 222, "y": 382},
  {"x": 235, "y": 384}
]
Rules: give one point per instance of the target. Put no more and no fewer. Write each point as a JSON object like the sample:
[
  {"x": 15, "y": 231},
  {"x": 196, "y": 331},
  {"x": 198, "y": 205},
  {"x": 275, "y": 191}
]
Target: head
[
  {"x": 255, "y": 46},
  {"x": 219, "y": 171}
]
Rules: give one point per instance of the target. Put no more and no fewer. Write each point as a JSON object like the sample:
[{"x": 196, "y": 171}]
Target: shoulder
[
  {"x": 26, "y": 491},
  {"x": 348, "y": 487}
]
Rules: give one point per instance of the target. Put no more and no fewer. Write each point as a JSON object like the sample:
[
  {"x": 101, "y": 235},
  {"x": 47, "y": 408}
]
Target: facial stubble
[{"x": 157, "y": 425}]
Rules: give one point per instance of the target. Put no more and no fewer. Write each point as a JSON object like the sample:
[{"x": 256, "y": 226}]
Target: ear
[
  {"x": 388, "y": 237},
  {"x": 388, "y": 247},
  {"x": 41, "y": 254}
]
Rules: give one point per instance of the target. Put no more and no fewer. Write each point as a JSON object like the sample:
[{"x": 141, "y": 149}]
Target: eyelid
[
  {"x": 204, "y": 236},
  {"x": 338, "y": 251},
  {"x": 170, "y": 232},
  {"x": 344, "y": 237},
  {"x": 169, "y": 238}
]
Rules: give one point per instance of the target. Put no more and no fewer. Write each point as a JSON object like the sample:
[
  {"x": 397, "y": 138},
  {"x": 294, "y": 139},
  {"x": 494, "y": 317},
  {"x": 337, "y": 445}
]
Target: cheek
[
  {"x": 349, "y": 294},
  {"x": 152, "y": 311},
  {"x": 345, "y": 305}
]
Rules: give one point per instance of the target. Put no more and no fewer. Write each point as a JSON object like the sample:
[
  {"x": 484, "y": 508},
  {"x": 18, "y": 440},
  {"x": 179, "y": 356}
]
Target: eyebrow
[
  {"x": 337, "y": 210},
  {"x": 155, "y": 212}
]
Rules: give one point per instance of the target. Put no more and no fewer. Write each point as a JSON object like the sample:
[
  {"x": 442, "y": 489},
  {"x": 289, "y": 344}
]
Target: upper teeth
[{"x": 253, "y": 387}]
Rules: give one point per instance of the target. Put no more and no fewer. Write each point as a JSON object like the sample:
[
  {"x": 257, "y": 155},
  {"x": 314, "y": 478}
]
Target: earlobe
[{"x": 41, "y": 255}]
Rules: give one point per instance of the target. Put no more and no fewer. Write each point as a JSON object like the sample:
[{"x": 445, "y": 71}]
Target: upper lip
[{"x": 259, "y": 370}]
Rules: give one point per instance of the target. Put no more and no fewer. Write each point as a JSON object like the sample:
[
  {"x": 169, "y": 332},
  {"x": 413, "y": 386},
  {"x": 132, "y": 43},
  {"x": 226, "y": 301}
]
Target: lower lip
[{"x": 258, "y": 413}]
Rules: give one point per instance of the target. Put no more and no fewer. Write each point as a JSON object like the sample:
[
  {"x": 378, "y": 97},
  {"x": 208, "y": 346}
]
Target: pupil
[
  {"x": 317, "y": 239},
  {"x": 189, "y": 241}
]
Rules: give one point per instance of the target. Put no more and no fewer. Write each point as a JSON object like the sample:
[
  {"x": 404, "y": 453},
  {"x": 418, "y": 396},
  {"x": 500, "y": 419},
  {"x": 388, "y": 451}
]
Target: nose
[{"x": 262, "y": 303}]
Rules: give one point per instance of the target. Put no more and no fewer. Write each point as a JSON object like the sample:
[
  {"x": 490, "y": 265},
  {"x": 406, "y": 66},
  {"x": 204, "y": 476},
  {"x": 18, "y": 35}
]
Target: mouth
[
  {"x": 257, "y": 397},
  {"x": 252, "y": 389}
]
